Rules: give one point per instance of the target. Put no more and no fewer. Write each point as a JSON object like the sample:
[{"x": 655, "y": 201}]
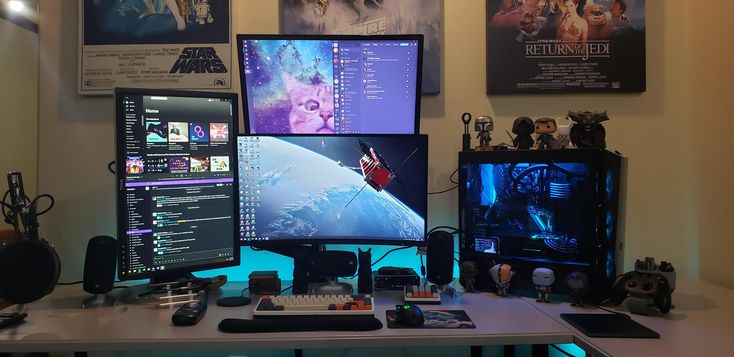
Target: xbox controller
[{"x": 643, "y": 286}]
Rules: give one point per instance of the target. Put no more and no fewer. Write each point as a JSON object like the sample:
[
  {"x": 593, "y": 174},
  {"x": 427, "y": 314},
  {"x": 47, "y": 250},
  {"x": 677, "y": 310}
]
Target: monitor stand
[
  {"x": 331, "y": 287},
  {"x": 160, "y": 282},
  {"x": 171, "y": 278},
  {"x": 303, "y": 281},
  {"x": 99, "y": 300}
]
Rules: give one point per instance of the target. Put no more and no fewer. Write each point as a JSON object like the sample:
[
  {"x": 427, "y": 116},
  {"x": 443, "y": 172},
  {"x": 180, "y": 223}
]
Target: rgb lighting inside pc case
[{"x": 556, "y": 209}]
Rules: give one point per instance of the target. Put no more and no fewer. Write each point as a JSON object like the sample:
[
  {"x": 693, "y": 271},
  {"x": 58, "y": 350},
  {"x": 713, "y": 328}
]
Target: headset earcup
[{"x": 29, "y": 270}]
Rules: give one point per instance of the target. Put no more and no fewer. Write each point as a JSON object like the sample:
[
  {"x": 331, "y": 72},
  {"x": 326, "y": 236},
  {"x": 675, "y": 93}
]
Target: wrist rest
[{"x": 297, "y": 324}]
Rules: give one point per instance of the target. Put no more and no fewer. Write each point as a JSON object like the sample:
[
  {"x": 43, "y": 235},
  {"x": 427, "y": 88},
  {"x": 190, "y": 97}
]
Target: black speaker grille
[{"x": 440, "y": 257}]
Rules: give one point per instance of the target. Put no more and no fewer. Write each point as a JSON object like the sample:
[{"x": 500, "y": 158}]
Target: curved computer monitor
[
  {"x": 317, "y": 189},
  {"x": 331, "y": 84},
  {"x": 176, "y": 184}
]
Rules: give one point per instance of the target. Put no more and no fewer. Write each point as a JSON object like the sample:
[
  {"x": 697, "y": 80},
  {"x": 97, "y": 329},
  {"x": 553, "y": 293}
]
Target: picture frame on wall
[
  {"x": 176, "y": 44},
  {"x": 372, "y": 17},
  {"x": 565, "y": 46}
]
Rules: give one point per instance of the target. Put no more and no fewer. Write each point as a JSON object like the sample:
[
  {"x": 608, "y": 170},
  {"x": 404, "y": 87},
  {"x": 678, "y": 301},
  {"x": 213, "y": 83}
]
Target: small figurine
[
  {"x": 563, "y": 138},
  {"x": 203, "y": 12},
  {"x": 468, "y": 272},
  {"x": 502, "y": 274},
  {"x": 578, "y": 283},
  {"x": 523, "y": 127},
  {"x": 543, "y": 279},
  {"x": 483, "y": 125},
  {"x": 545, "y": 127},
  {"x": 588, "y": 133}
]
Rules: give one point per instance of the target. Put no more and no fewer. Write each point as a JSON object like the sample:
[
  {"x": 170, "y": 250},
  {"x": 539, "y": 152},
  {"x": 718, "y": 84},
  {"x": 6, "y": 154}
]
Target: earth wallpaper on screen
[
  {"x": 137, "y": 22},
  {"x": 565, "y": 46},
  {"x": 372, "y": 17},
  {"x": 313, "y": 186}
]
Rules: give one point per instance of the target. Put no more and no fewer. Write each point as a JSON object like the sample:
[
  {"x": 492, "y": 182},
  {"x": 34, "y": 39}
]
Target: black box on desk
[
  {"x": 555, "y": 209},
  {"x": 264, "y": 282},
  {"x": 396, "y": 281}
]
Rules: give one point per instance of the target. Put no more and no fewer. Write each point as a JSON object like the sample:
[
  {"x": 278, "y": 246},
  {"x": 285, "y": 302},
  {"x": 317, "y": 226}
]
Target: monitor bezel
[
  {"x": 243, "y": 81},
  {"x": 346, "y": 239},
  {"x": 120, "y": 180}
]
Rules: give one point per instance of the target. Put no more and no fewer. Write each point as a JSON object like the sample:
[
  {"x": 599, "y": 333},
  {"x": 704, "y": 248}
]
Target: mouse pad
[
  {"x": 609, "y": 325},
  {"x": 436, "y": 319}
]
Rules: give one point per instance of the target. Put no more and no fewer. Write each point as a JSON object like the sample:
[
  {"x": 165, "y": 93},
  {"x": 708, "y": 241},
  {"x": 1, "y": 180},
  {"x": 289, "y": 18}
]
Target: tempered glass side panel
[{"x": 536, "y": 211}]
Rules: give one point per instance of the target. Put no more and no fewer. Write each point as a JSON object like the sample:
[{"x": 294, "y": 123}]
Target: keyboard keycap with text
[{"x": 314, "y": 305}]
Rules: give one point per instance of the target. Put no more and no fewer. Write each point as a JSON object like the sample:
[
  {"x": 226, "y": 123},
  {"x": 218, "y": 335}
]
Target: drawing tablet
[{"x": 609, "y": 325}]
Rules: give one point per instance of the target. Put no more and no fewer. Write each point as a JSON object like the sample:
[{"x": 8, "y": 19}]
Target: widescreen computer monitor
[
  {"x": 176, "y": 184},
  {"x": 330, "y": 84},
  {"x": 369, "y": 189}
]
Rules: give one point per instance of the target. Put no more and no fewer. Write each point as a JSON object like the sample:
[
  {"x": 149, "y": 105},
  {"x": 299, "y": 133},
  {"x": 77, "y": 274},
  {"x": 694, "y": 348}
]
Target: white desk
[
  {"x": 56, "y": 323},
  {"x": 701, "y": 324}
]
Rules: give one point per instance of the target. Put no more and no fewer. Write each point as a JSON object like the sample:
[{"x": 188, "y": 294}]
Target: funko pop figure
[
  {"x": 467, "y": 275},
  {"x": 545, "y": 127},
  {"x": 578, "y": 283},
  {"x": 523, "y": 127},
  {"x": 502, "y": 274},
  {"x": 587, "y": 131},
  {"x": 543, "y": 279},
  {"x": 483, "y": 125},
  {"x": 564, "y": 136}
]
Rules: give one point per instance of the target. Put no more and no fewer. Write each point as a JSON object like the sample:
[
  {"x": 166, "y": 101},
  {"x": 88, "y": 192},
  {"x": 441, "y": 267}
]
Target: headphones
[{"x": 29, "y": 266}]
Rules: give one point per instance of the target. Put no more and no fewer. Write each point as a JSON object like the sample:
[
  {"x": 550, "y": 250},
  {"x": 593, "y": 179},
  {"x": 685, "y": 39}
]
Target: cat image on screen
[{"x": 312, "y": 105}]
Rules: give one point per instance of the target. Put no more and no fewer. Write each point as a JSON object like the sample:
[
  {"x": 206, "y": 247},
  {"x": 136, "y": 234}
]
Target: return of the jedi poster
[{"x": 565, "y": 46}]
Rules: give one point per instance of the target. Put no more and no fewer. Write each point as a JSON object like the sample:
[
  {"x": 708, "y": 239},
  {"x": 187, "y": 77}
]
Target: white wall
[
  {"x": 19, "y": 104},
  {"x": 711, "y": 92},
  {"x": 665, "y": 198}
]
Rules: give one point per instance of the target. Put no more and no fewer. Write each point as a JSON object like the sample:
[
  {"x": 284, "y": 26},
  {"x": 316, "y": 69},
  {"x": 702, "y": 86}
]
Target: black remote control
[{"x": 190, "y": 314}]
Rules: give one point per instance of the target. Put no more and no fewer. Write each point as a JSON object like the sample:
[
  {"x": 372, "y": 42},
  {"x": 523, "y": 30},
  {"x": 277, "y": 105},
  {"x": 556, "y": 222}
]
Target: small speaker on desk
[
  {"x": 440, "y": 257},
  {"x": 99, "y": 271}
]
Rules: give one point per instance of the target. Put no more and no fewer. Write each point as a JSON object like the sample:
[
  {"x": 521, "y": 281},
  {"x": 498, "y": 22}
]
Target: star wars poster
[
  {"x": 174, "y": 44},
  {"x": 372, "y": 17},
  {"x": 565, "y": 46}
]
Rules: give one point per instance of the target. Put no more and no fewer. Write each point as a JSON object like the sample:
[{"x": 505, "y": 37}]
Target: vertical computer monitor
[
  {"x": 331, "y": 84},
  {"x": 176, "y": 184},
  {"x": 368, "y": 189}
]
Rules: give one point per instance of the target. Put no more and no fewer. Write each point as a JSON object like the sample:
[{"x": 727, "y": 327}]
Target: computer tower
[{"x": 556, "y": 209}]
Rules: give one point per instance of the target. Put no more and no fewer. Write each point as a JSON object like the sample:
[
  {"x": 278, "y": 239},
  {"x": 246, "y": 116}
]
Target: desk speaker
[
  {"x": 440, "y": 257},
  {"x": 100, "y": 264}
]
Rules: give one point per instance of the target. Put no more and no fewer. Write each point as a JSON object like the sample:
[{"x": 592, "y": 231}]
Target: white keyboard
[
  {"x": 314, "y": 305},
  {"x": 421, "y": 294}
]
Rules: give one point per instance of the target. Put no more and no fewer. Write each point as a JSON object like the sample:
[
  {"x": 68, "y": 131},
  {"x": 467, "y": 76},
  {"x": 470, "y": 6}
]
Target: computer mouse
[{"x": 409, "y": 315}]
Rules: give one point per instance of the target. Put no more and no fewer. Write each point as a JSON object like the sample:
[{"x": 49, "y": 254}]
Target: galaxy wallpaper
[{"x": 266, "y": 61}]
